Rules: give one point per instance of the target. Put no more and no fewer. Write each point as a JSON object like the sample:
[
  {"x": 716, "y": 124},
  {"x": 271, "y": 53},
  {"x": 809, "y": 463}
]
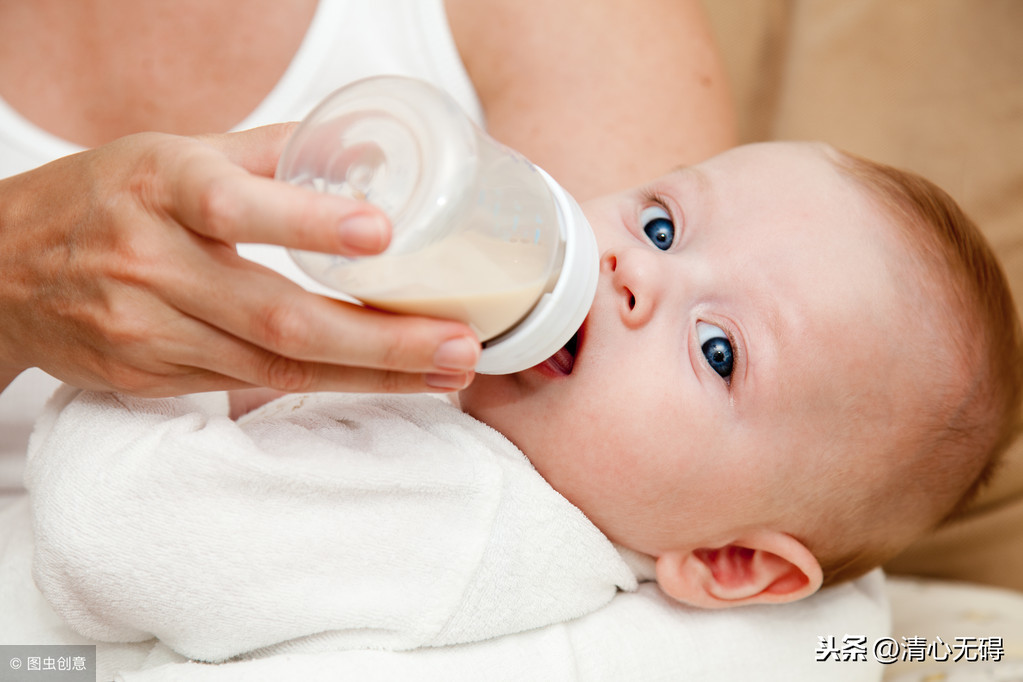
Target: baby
[{"x": 796, "y": 363}]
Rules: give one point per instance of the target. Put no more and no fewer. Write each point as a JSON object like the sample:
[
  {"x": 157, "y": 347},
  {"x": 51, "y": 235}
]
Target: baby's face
[{"x": 741, "y": 303}]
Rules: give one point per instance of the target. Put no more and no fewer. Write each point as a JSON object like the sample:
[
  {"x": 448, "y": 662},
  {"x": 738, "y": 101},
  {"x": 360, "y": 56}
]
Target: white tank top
[{"x": 347, "y": 40}]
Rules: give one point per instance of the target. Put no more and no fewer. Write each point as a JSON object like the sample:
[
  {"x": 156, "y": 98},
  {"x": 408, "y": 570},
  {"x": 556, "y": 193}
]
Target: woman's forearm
[{"x": 602, "y": 94}]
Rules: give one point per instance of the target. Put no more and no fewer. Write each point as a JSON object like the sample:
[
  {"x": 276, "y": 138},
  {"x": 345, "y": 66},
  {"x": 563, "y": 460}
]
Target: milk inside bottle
[{"x": 479, "y": 234}]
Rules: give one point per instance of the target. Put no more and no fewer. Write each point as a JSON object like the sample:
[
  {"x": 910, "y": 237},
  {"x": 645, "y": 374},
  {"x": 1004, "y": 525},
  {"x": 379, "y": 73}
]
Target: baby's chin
[
  {"x": 479, "y": 398},
  {"x": 497, "y": 401},
  {"x": 487, "y": 393}
]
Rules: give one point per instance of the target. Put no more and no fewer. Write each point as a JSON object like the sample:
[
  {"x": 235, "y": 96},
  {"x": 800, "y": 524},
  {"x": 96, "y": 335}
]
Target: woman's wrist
[
  {"x": 14, "y": 208},
  {"x": 8, "y": 375},
  {"x": 10, "y": 367}
]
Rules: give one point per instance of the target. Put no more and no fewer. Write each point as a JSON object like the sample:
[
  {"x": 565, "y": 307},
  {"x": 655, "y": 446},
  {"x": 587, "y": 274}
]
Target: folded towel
[{"x": 359, "y": 522}]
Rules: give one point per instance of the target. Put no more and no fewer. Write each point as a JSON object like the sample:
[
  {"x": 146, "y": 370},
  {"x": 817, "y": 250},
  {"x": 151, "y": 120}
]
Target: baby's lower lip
[{"x": 562, "y": 363}]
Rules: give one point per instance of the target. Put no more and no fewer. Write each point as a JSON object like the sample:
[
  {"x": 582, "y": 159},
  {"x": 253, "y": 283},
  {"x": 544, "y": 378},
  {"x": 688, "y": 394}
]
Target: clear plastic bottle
[{"x": 479, "y": 234}]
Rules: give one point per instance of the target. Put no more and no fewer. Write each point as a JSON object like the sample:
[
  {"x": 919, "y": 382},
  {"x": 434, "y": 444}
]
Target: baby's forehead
[
  {"x": 847, "y": 384},
  {"x": 775, "y": 154},
  {"x": 842, "y": 333}
]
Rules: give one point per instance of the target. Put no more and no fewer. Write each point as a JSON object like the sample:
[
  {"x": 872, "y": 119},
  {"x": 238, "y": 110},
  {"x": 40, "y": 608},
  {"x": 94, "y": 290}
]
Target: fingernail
[
  {"x": 457, "y": 354},
  {"x": 366, "y": 234},
  {"x": 448, "y": 382}
]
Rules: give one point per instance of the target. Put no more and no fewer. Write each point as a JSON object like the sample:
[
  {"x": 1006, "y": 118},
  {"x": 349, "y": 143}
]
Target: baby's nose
[{"x": 635, "y": 280}]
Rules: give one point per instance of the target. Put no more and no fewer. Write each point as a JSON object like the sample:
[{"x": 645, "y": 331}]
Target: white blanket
[
  {"x": 639, "y": 637},
  {"x": 328, "y": 521}
]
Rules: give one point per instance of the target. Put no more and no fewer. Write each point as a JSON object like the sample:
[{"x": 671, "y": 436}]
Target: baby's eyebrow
[
  {"x": 692, "y": 188},
  {"x": 692, "y": 174}
]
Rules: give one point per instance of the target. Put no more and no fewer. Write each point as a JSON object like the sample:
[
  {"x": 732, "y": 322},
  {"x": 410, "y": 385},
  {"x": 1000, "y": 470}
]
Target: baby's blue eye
[
  {"x": 716, "y": 348},
  {"x": 658, "y": 226}
]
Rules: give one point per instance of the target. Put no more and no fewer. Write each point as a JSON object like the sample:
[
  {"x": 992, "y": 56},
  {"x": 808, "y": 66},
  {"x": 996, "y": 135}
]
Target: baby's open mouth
[{"x": 563, "y": 361}]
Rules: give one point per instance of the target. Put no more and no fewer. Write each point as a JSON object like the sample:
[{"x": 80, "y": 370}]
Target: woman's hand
[{"x": 119, "y": 272}]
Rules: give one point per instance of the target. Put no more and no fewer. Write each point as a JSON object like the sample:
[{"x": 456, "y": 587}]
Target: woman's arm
[{"x": 602, "y": 94}]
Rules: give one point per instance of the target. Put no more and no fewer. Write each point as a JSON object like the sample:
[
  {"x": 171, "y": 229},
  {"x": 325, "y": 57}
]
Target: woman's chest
[{"x": 89, "y": 76}]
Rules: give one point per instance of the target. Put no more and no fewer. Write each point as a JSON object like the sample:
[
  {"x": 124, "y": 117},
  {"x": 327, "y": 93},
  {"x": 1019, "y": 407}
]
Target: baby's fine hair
[{"x": 963, "y": 442}]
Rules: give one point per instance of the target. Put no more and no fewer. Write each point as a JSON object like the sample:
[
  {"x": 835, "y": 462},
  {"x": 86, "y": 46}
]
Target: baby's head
[{"x": 796, "y": 363}]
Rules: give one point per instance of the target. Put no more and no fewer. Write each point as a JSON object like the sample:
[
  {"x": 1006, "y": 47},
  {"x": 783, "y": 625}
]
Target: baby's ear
[{"x": 765, "y": 567}]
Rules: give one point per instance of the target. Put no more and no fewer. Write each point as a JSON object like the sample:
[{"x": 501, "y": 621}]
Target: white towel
[
  {"x": 379, "y": 522},
  {"x": 640, "y": 636}
]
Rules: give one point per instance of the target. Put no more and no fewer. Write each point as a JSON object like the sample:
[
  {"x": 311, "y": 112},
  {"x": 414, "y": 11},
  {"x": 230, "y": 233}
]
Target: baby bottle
[{"x": 479, "y": 234}]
